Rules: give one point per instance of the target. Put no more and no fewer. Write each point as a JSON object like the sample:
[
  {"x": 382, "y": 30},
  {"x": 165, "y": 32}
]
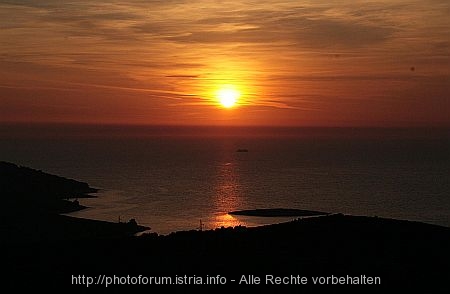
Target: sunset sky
[{"x": 299, "y": 63}]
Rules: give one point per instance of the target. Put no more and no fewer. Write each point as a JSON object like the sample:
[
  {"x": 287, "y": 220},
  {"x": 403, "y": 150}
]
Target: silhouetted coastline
[
  {"x": 29, "y": 189},
  {"x": 34, "y": 200},
  {"x": 47, "y": 250}
]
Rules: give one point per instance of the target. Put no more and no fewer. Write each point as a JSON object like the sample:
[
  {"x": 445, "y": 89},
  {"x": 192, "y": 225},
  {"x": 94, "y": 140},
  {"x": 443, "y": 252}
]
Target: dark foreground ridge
[
  {"x": 32, "y": 201},
  {"x": 25, "y": 189},
  {"x": 403, "y": 255},
  {"x": 277, "y": 212}
]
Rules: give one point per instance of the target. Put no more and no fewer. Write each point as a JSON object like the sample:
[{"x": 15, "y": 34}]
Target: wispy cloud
[{"x": 280, "y": 51}]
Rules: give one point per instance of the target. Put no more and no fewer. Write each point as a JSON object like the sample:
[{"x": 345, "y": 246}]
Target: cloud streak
[{"x": 274, "y": 50}]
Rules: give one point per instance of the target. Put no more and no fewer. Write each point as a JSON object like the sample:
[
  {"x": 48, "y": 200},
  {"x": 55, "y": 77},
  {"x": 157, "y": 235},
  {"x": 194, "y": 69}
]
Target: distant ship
[{"x": 242, "y": 150}]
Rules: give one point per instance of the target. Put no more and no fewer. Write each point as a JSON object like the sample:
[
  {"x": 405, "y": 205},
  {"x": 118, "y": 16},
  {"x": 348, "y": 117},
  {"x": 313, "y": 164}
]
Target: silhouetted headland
[
  {"x": 28, "y": 189},
  {"x": 277, "y": 212},
  {"x": 32, "y": 202},
  {"x": 46, "y": 250}
]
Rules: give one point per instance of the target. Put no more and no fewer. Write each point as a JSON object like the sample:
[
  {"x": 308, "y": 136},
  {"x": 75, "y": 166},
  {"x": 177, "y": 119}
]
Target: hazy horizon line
[
  {"x": 71, "y": 130},
  {"x": 151, "y": 125}
]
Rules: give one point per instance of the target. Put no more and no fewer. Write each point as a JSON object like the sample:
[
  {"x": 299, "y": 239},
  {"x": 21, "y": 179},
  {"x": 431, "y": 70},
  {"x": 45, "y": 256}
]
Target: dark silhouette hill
[
  {"x": 404, "y": 255},
  {"x": 25, "y": 188},
  {"x": 32, "y": 201},
  {"x": 47, "y": 250}
]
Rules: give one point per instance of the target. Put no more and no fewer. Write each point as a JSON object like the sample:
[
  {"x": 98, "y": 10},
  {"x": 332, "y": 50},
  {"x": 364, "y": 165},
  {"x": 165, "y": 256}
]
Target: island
[{"x": 277, "y": 212}]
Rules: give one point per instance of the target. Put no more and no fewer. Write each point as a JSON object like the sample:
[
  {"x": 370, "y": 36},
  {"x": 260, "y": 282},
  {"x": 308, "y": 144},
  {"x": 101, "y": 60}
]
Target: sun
[{"x": 228, "y": 96}]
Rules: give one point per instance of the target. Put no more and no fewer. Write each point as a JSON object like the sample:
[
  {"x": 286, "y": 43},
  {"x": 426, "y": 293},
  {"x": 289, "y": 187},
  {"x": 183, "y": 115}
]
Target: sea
[{"x": 188, "y": 178}]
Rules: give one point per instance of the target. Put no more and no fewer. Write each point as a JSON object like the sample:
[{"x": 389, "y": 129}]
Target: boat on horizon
[{"x": 242, "y": 150}]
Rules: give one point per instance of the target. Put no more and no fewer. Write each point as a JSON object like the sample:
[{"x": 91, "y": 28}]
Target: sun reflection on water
[
  {"x": 227, "y": 220},
  {"x": 227, "y": 193}
]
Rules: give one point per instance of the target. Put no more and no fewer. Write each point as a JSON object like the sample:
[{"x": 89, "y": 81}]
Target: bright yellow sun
[{"x": 228, "y": 96}]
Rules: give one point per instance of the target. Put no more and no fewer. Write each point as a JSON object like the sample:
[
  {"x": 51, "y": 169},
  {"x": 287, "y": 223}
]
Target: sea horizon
[
  {"x": 67, "y": 129},
  {"x": 170, "y": 178}
]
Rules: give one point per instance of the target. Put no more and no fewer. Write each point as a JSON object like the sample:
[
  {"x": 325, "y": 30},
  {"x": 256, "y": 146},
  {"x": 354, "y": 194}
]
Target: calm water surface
[{"x": 171, "y": 183}]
